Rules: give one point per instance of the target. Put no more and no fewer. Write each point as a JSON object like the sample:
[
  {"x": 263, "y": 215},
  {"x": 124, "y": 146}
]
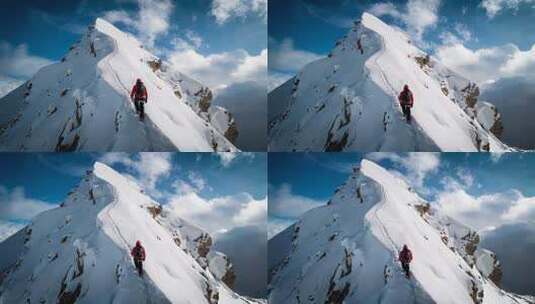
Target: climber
[
  {"x": 405, "y": 257},
  {"x": 139, "y": 97},
  {"x": 138, "y": 253},
  {"x": 406, "y": 100}
]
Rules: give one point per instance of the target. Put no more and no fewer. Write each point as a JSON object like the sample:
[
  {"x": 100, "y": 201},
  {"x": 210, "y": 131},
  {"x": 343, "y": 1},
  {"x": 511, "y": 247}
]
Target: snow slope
[
  {"x": 80, "y": 252},
  {"x": 82, "y": 103},
  {"x": 348, "y": 101},
  {"x": 346, "y": 251}
]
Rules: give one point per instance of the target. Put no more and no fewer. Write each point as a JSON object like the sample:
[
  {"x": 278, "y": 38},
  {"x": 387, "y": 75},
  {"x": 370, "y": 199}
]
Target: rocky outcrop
[
  {"x": 489, "y": 117},
  {"x": 199, "y": 98},
  {"x": 489, "y": 266}
]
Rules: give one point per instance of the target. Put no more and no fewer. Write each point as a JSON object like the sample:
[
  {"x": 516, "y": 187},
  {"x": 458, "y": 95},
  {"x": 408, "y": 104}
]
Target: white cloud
[
  {"x": 487, "y": 211},
  {"x": 197, "y": 181},
  {"x": 385, "y": 9},
  {"x": 252, "y": 68},
  {"x": 227, "y": 158},
  {"x": 418, "y": 16},
  {"x": 275, "y": 79},
  {"x": 276, "y": 226},
  {"x": 119, "y": 16},
  {"x": 225, "y": 10},
  {"x": 7, "y": 229},
  {"x": 285, "y": 207},
  {"x": 151, "y": 20},
  {"x": 460, "y": 35},
  {"x": 8, "y": 84},
  {"x": 463, "y": 31},
  {"x": 194, "y": 38},
  {"x": 15, "y": 205},
  {"x": 488, "y": 64},
  {"x": 421, "y": 15},
  {"x": 220, "y": 70},
  {"x": 417, "y": 165},
  {"x": 150, "y": 167},
  {"x": 221, "y": 214},
  {"x": 283, "y": 56},
  {"x": 493, "y": 7},
  {"x": 284, "y": 203},
  {"x": 17, "y": 62},
  {"x": 153, "y": 166},
  {"x": 466, "y": 177}
]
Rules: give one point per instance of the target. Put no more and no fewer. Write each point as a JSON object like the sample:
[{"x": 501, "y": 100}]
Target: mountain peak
[
  {"x": 348, "y": 101},
  {"x": 82, "y": 103},
  {"x": 347, "y": 251},
  {"x": 105, "y": 172},
  {"x": 80, "y": 252},
  {"x": 372, "y": 22},
  {"x": 380, "y": 174},
  {"x": 107, "y": 27}
]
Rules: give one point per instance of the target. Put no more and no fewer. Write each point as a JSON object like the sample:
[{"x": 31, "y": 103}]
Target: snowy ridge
[
  {"x": 346, "y": 251},
  {"x": 348, "y": 101},
  {"x": 82, "y": 103},
  {"x": 80, "y": 252}
]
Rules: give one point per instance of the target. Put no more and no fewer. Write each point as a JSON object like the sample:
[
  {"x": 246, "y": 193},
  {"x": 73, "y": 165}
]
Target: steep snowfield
[
  {"x": 80, "y": 252},
  {"x": 348, "y": 101},
  {"x": 346, "y": 251},
  {"x": 82, "y": 103}
]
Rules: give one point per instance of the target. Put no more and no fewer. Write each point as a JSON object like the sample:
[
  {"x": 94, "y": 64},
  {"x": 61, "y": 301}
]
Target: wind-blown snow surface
[
  {"x": 348, "y": 101},
  {"x": 82, "y": 103},
  {"x": 80, "y": 252},
  {"x": 346, "y": 251}
]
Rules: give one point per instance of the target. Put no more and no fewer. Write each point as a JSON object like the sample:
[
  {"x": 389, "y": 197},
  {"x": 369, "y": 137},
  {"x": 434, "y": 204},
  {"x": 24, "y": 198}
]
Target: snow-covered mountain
[
  {"x": 82, "y": 103},
  {"x": 348, "y": 100},
  {"x": 346, "y": 251},
  {"x": 80, "y": 252}
]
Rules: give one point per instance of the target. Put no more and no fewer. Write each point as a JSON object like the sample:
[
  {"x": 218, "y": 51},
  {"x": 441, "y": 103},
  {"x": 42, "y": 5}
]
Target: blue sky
[
  {"x": 300, "y": 181},
  {"x": 225, "y": 34},
  {"x": 457, "y": 32},
  {"x": 49, "y": 28},
  {"x": 33, "y": 182}
]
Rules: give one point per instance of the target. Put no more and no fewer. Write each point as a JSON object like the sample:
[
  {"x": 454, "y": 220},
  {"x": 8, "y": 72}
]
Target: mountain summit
[
  {"x": 82, "y": 103},
  {"x": 348, "y": 101},
  {"x": 347, "y": 251},
  {"x": 80, "y": 252}
]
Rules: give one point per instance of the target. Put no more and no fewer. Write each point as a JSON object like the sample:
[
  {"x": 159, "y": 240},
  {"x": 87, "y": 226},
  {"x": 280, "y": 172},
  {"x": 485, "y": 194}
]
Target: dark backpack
[
  {"x": 406, "y": 97},
  {"x": 140, "y": 91},
  {"x": 138, "y": 253}
]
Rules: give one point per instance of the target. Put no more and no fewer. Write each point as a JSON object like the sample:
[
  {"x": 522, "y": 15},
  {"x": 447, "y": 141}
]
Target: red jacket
[
  {"x": 139, "y": 93},
  {"x": 405, "y": 256},
  {"x": 406, "y": 98},
  {"x": 138, "y": 253}
]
